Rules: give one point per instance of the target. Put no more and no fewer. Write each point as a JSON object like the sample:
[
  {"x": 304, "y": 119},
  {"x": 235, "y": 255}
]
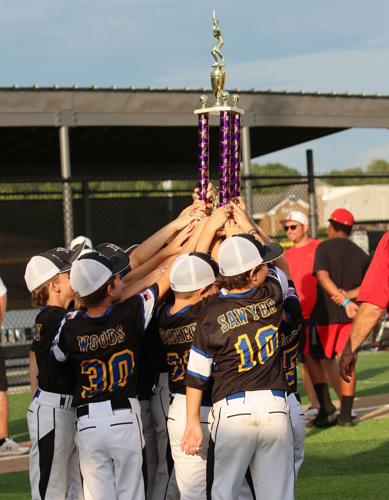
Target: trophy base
[{"x": 216, "y": 110}]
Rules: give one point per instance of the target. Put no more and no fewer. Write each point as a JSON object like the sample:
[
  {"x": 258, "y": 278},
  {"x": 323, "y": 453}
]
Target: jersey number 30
[
  {"x": 266, "y": 340},
  {"x": 107, "y": 376}
]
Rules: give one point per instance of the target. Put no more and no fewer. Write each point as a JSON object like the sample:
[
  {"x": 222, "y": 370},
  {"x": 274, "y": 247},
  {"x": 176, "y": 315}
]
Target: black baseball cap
[
  {"x": 111, "y": 250},
  {"x": 93, "y": 269},
  {"x": 44, "y": 266}
]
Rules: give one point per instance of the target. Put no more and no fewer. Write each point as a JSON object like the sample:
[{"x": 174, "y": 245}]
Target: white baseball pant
[
  {"x": 252, "y": 429},
  {"x": 190, "y": 470},
  {"x": 54, "y": 467},
  {"x": 110, "y": 443},
  {"x": 297, "y": 420},
  {"x": 165, "y": 485}
]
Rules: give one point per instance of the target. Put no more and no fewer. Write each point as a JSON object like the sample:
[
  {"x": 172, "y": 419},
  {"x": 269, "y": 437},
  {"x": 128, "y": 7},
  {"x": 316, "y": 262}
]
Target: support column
[
  {"x": 311, "y": 194},
  {"x": 246, "y": 157},
  {"x": 67, "y": 189}
]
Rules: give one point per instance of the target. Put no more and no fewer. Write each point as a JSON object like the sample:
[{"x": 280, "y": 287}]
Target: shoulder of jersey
[{"x": 50, "y": 313}]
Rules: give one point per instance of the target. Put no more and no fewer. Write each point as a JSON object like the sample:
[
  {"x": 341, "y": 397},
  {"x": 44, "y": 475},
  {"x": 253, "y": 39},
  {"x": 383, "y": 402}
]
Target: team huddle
[{"x": 167, "y": 370}]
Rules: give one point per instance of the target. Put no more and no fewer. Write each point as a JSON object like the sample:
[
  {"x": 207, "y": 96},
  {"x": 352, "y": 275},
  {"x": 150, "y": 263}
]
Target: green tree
[
  {"x": 271, "y": 169},
  {"x": 355, "y": 174}
]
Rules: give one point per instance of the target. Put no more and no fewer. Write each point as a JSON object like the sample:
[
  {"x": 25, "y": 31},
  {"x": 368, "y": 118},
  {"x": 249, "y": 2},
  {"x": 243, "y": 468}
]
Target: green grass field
[{"x": 340, "y": 463}]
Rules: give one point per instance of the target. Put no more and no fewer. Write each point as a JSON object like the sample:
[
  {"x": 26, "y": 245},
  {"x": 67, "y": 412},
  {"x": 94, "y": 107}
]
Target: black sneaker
[{"x": 324, "y": 420}]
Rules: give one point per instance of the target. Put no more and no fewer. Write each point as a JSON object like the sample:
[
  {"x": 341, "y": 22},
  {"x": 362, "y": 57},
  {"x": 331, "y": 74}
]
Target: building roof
[{"x": 153, "y": 132}]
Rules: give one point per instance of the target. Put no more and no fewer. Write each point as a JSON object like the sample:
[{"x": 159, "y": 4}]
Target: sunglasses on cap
[{"x": 293, "y": 227}]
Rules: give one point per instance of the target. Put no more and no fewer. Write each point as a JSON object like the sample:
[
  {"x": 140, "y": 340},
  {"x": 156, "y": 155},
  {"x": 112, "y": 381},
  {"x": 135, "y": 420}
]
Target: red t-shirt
[
  {"x": 300, "y": 260},
  {"x": 375, "y": 285}
]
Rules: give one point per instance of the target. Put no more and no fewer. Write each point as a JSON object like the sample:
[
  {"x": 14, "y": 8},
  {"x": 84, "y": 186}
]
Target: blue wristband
[{"x": 347, "y": 301}]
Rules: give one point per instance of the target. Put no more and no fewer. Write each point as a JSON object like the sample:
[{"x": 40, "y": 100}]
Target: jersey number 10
[
  {"x": 107, "y": 376},
  {"x": 266, "y": 340}
]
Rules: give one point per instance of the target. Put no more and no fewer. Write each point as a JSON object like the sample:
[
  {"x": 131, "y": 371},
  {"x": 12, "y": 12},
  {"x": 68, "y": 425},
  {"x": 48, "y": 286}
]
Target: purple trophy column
[
  {"x": 225, "y": 157},
  {"x": 203, "y": 154},
  {"x": 235, "y": 155}
]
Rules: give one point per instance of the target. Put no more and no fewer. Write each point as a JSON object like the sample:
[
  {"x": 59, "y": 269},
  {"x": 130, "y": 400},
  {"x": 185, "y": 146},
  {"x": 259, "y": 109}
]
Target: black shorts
[
  {"x": 3, "y": 375},
  {"x": 315, "y": 347}
]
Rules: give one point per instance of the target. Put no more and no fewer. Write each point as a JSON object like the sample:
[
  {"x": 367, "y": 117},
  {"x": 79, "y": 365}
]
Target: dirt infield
[
  {"x": 366, "y": 408},
  {"x": 14, "y": 464}
]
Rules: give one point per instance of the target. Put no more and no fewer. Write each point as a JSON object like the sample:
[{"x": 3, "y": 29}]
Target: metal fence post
[
  {"x": 246, "y": 158},
  {"x": 67, "y": 189},
  {"x": 87, "y": 209},
  {"x": 311, "y": 194}
]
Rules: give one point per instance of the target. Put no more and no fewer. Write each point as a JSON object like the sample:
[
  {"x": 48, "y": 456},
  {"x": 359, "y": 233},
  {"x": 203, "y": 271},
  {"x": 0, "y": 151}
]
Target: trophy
[{"x": 229, "y": 129}]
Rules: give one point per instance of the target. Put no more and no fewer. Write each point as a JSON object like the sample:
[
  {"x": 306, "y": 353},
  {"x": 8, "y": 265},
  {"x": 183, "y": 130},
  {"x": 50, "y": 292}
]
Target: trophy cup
[{"x": 229, "y": 129}]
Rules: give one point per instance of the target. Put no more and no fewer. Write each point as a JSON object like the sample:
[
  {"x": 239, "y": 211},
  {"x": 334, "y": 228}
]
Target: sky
[{"x": 325, "y": 45}]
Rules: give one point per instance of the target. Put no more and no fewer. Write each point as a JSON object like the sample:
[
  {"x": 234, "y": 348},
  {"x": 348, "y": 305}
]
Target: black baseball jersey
[
  {"x": 291, "y": 329},
  {"x": 237, "y": 345},
  {"x": 52, "y": 376},
  {"x": 150, "y": 350},
  {"x": 106, "y": 349},
  {"x": 176, "y": 332}
]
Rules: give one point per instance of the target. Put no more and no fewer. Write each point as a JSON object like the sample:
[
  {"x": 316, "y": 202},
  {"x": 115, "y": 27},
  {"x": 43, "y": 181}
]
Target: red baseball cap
[{"x": 342, "y": 216}]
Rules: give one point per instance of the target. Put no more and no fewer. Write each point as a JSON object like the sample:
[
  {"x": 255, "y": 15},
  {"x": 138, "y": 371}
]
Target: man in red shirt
[
  {"x": 340, "y": 266},
  {"x": 374, "y": 296},
  {"x": 300, "y": 259}
]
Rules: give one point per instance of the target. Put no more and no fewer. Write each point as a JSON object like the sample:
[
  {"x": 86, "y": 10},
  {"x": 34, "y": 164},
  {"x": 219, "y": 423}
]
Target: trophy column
[
  {"x": 225, "y": 157},
  {"x": 203, "y": 154},
  {"x": 235, "y": 155}
]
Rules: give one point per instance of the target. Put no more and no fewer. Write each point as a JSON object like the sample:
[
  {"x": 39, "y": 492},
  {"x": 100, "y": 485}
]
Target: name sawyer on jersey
[
  {"x": 106, "y": 348},
  {"x": 243, "y": 353}
]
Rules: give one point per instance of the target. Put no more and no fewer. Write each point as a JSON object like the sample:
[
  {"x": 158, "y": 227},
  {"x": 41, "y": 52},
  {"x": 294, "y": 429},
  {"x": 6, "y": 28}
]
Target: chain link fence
[{"x": 127, "y": 211}]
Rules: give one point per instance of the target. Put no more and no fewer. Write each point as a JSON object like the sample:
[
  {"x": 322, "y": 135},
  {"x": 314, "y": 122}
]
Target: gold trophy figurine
[
  {"x": 216, "y": 51},
  {"x": 218, "y": 75}
]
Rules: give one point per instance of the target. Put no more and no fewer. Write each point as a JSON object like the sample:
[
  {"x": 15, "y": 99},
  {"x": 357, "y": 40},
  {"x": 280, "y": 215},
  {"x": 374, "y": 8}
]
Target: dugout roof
[{"x": 152, "y": 132}]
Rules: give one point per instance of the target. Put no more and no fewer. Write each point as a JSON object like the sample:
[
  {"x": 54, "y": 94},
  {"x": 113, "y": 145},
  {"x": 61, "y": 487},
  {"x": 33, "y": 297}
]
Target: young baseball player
[
  {"x": 291, "y": 331},
  {"x": 192, "y": 279},
  {"x": 146, "y": 380},
  {"x": 237, "y": 348},
  {"x": 104, "y": 343},
  {"x": 51, "y": 419}
]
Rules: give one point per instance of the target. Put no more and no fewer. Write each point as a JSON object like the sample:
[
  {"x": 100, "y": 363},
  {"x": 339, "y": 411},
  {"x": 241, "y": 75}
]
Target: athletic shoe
[
  {"x": 10, "y": 447},
  {"x": 324, "y": 420},
  {"x": 310, "y": 413},
  {"x": 353, "y": 414}
]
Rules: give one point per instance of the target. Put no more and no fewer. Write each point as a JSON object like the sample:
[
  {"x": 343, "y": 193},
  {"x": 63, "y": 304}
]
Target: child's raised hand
[
  {"x": 219, "y": 216},
  {"x": 231, "y": 228},
  {"x": 178, "y": 242},
  {"x": 240, "y": 217}
]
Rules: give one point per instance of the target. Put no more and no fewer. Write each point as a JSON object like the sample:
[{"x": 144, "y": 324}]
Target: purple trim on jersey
[
  {"x": 197, "y": 375},
  {"x": 202, "y": 353}
]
